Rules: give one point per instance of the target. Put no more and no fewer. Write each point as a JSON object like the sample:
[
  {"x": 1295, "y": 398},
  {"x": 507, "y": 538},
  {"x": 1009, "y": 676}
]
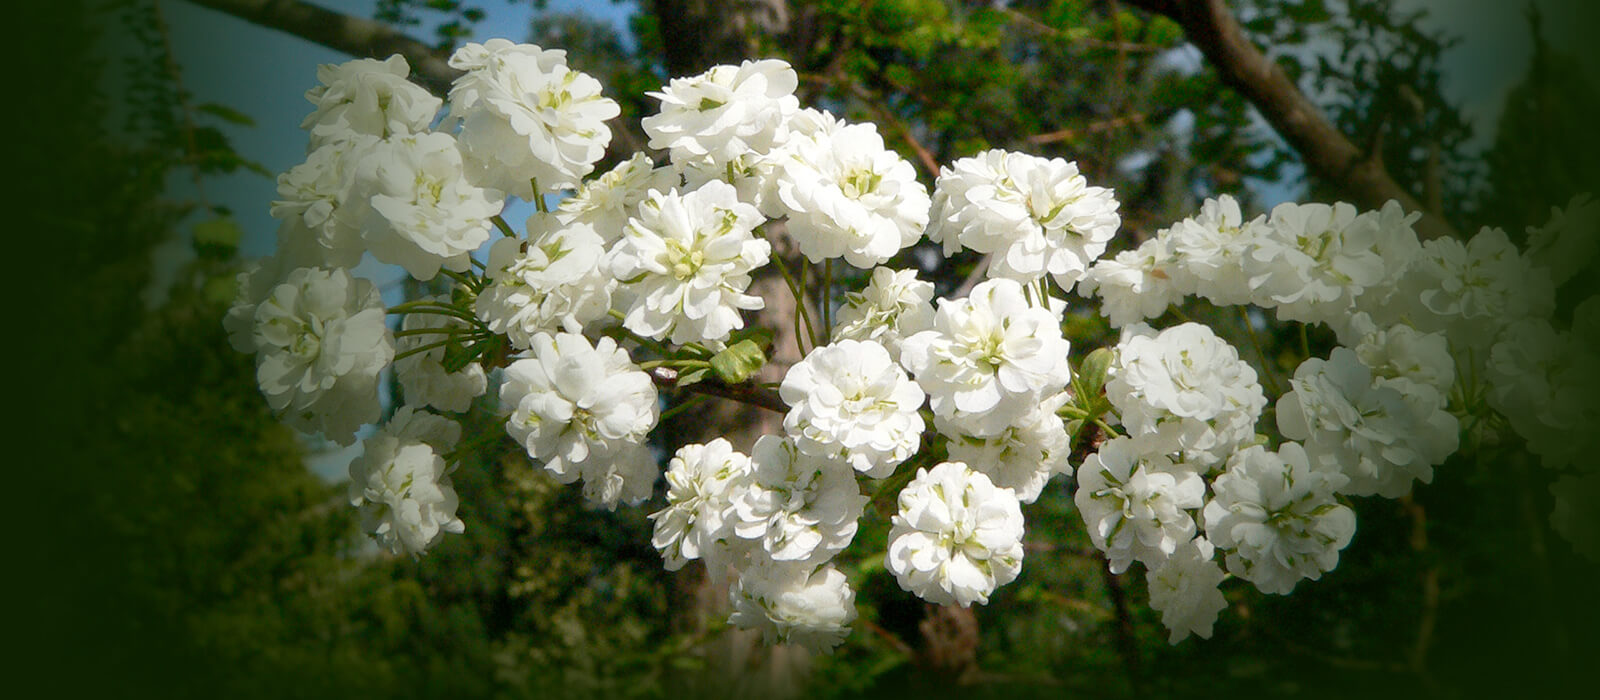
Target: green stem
[
  {"x": 504, "y": 227},
  {"x": 1267, "y": 371},
  {"x": 446, "y": 330},
  {"x": 437, "y": 309},
  {"x": 827, "y": 300},
  {"x": 423, "y": 348},
  {"x": 800, "y": 303},
  {"x": 538, "y": 198},
  {"x": 1106, "y": 428}
]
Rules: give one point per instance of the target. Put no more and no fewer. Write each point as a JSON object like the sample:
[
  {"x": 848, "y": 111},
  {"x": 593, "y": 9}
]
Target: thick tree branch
[
  {"x": 1327, "y": 153},
  {"x": 352, "y": 35}
]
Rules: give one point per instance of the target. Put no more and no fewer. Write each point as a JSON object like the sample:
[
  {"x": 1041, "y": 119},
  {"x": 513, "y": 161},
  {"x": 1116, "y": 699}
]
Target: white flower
[
  {"x": 848, "y": 196},
  {"x": 1184, "y": 589},
  {"x": 697, "y": 521},
  {"x": 1414, "y": 361},
  {"x": 750, "y": 174},
  {"x": 1136, "y": 505},
  {"x": 525, "y": 116},
  {"x": 956, "y": 538},
  {"x": 1544, "y": 382},
  {"x": 849, "y": 401},
  {"x": 685, "y": 263},
  {"x": 1209, "y": 250},
  {"x": 798, "y": 508},
  {"x": 1187, "y": 386},
  {"x": 572, "y": 402},
  {"x": 627, "y": 474},
  {"x": 1022, "y": 457},
  {"x": 1566, "y": 243},
  {"x": 1311, "y": 260},
  {"x": 1378, "y": 435},
  {"x": 794, "y": 605},
  {"x": 422, "y": 375},
  {"x": 554, "y": 281},
  {"x": 415, "y": 208},
  {"x": 724, "y": 112},
  {"x": 296, "y": 247},
  {"x": 321, "y": 341},
  {"x": 312, "y": 193},
  {"x": 1469, "y": 291},
  {"x": 988, "y": 358},
  {"x": 1277, "y": 518},
  {"x": 400, "y": 486},
  {"x": 894, "y": 306},
  {"x": 1034, "y": 215},
  {"x": 367, "y": 97},
  {"x": 1135, "y": 284},
  {"x": 608, "y": 201}
]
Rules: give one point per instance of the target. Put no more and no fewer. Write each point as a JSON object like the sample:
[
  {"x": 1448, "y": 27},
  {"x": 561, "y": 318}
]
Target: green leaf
[
  {"x": 760, "y": 335},
  {"x": 1092, "y": 373},
  {"x": 738, "y": 362},
  {"x": 691, "y": 377}
]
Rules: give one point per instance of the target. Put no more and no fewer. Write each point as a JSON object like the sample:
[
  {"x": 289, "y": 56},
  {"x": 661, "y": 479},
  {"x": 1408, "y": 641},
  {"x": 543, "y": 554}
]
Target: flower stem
[
  {"x": 827, "y": 298},
  {"x": 1267, "y": 370},
  {"x": 504, "y": 227},
  {"x": 800, "y": 303}
]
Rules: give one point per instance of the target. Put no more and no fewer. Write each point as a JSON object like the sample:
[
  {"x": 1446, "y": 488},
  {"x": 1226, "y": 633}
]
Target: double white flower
[
  {"x": 580, "y": 408},
  {"x": 414, "y": 207},
  {"x": 367, "y": 97},
  {"x": 320, "y": 341},
  {"x": 552, "y": 282},
  {"x": 797, "y": 508},
  {"x": 725, "y": 112},
  {"x": 1184, "y": 589},
  {"x": 956, "y": 537},
  {"x": 846, "y": 195},
  {"x": 1186, "y": 387},
  {"x": 1137, "y": 505},
  {"x": 988, "y": 358},
  {"x": 1380, "y": 435},
  {"x": 525, "y": 117},
  {"x": 794, "y": 605},
  {"x": 849, "y": 401},
  {"x": 399, "y": 483},
  {"x": 1277, "y": 518},
  {"x": 894, "y": 306},
  {"x": 1035, "y": 215},
  {"x": 697, "y": 521},
  {"x": 685, "y": 263}
]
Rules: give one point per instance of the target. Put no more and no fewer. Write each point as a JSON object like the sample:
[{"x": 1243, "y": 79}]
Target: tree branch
[
  {"x": 356, "y": 36},
  {"x": 1327, "y": 152}
]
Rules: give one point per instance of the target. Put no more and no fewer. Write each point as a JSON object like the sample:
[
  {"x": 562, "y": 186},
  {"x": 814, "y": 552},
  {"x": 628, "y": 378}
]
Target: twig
[
  {"x": 747, "y": 393},
  {"x": 1096, "y": 127}
]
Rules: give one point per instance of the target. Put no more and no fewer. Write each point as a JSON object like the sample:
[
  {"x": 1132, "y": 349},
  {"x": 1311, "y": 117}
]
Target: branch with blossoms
[{"x": 945, "y": 415}]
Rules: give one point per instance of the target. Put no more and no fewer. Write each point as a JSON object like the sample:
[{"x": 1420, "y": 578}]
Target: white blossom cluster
[{"x": 944, "y": 416}]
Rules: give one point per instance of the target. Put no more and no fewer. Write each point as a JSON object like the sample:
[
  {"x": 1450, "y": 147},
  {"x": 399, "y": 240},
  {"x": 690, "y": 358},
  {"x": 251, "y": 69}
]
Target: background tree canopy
[{"x": 187, "y": 550}]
